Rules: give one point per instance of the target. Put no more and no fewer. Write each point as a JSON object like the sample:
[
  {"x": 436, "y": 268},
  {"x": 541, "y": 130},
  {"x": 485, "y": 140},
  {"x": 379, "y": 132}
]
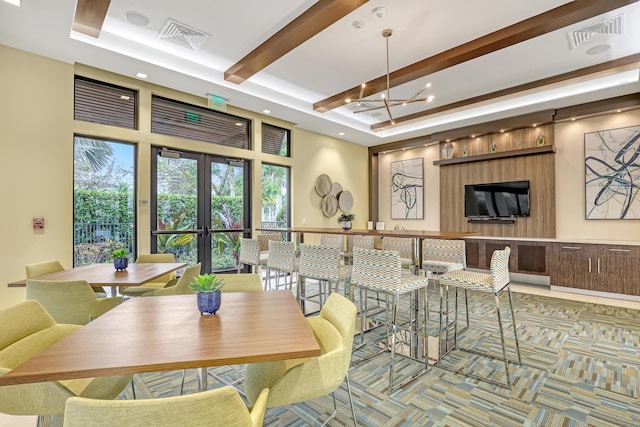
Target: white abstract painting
[
  {"x": 612, "y": 173},
  {"x": 407, "y": 189}
]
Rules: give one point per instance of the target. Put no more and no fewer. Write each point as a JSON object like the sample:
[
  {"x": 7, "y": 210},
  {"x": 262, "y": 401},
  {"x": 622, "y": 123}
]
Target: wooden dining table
[
  {"x": 98, "y": 275},
  {"x": 168, "y": 333}
]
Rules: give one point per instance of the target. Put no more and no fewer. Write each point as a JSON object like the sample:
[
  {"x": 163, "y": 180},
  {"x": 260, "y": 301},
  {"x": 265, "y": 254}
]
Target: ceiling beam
[
  {"x": 554, "y": 19},
  {"x": 605, "y": 68},
  {"x": 312, "y": 21},
  {"x": 89, "y": 16}
]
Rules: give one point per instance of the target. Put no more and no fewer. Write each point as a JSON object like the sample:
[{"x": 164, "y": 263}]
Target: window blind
[
  {"x": 103, "y": 103},
  {"x": 174, "y": 118},
  {"x": 275, "y": 140}
]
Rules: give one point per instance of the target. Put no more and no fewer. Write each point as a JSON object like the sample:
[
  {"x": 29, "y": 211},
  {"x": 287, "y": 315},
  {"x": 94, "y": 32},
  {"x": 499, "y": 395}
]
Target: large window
[
  {"x": 275, "y": 196},
  {"x": 103, "y": 199}
]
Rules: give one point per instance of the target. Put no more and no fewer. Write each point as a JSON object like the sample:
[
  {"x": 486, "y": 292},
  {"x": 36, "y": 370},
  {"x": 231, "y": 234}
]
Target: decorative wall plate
[
  {"x": 336, "y": 189},
  {"x": 323, "y": 185},
  {"x": 345, "y": 201},
  {"x": 540, "y": 140},
  {"x": 329, "y": 205}
]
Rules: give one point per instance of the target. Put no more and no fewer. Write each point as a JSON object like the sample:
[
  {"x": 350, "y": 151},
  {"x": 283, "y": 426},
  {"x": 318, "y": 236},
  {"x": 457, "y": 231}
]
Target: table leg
[{"x": 202, "y": 379}]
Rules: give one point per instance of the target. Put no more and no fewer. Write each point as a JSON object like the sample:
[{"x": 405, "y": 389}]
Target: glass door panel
[{"x": 200, "y": 204}]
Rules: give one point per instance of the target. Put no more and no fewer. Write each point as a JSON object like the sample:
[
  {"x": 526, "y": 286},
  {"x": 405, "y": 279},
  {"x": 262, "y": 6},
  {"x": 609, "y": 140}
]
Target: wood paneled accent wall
[{"x": 539, "y": 169}]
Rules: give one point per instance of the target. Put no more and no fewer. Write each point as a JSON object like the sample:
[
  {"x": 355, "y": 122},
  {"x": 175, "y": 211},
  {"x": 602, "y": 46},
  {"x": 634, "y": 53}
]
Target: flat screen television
[{"x": 496, "y": 200}]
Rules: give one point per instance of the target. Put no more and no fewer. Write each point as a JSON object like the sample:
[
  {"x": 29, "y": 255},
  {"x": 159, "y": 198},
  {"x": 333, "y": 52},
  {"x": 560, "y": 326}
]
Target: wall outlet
[{"x": 304, "y": 221}]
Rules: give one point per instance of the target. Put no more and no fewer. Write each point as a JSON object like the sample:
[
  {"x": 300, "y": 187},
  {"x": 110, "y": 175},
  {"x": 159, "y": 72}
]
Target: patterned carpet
[{"x": 580, "y": 367}]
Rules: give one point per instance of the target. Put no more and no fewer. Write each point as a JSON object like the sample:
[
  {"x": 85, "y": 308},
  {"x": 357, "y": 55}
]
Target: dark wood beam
[
  {"x": 622, "y": 103},
  {"x": 315, "y": 19},
  {"x": 616, "y": 65},
  {"x": 554, "y": 19},
  {"x": 89, "y": 16}
]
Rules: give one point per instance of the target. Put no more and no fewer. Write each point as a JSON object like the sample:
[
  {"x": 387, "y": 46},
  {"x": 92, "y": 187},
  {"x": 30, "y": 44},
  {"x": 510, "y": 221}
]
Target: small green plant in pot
[
  {"x": 208, "y": 287},
  {"x": 120, "y": 259},
  {"x": 345, "y": 221}
]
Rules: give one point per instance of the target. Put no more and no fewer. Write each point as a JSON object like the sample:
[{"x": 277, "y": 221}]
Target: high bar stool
[
  {"x": 380, "y": 271},
  {"x": 441, "y": 256},
  {"x": 495, "y": 282}
]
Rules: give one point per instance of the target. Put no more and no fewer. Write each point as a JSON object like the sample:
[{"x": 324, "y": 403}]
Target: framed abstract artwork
[
  {"x": 612, "y": 173},
  {"x": 407, "y": 189}
]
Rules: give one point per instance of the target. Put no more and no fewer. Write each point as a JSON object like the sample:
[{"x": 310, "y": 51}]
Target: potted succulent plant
[
  {"x": 345, "y": 221},
  {"x": 208, "y": 287},
  {"x": 120, "y": 259}
]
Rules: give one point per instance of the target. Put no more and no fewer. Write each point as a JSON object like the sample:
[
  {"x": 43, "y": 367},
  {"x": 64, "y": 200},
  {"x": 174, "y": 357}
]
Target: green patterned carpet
[{"x": 580, "y": 367}]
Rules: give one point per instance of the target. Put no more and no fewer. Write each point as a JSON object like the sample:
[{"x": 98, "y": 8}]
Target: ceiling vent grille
[
  {"x": 612, "y": 26},
  {"x": 182, "y": 35},
  {"x": 354, "y": 107}
]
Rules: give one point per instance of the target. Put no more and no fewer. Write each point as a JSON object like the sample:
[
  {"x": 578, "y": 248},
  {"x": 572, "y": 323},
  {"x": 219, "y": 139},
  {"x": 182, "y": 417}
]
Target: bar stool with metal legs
[
  {"x": 321, "y": 263},
  {"x": 441, "y": 256},
  {"x": 380, "y": 271},
  {"x": 250, "y": 254},
  {"x": 404, "y": 246},
  {"x": 282, "y": 259},
  {"x": 495, "y": 282}
]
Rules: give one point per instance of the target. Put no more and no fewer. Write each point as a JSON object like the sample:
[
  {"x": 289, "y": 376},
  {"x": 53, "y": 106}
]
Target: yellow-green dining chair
[
  {"x": 299, "y": 380},
  {"x": 26, "y": 330},
  {"x": 159, "y": 283},
  {"x": 69, "y": 301},
  {"x": 221, "y": 407},
  {"x": 40, "y": 268},
  {"x": 181, "y": 287}
]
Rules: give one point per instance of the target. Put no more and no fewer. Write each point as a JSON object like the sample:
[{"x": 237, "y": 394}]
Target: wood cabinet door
[
  {"x": 619, "y": 269},
  {"x": 572, "y": 266}
]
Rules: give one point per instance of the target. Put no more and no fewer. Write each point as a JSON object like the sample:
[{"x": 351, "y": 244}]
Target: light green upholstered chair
[
  {"x": 247, "y": 282},
  {"x": 40, "y": 268},
  {"x": 220, "y": 407},
  {"x": 26, "y": 330},
  {"x": 71, "y": 301},
  {"x": 180, "y": 288},
  {"x": 293, "y": 381},
  {"x": 159, "y": 283}
]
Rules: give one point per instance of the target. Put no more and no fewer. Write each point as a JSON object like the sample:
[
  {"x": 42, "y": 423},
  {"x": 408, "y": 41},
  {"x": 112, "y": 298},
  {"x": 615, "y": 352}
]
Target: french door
[{"x": 200, "y": 207}]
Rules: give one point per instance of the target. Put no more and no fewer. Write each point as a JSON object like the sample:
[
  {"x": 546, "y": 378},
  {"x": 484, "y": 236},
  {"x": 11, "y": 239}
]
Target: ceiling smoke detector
[
  {"x": 137, "y": 18},
  {"x": 379, "y": 12},
  {"x": 357, "y": 24},
  {"x": 182, "y": 35}
]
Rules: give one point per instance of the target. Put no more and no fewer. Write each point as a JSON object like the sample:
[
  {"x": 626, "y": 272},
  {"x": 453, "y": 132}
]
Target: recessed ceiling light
[
  {"x": 573, "y": 119},
  {"x": 340, "y": 133},
  {"x": 141, "y": 75},
  {"x": 125, "y": 97},
  {"x": 618, "y": 111},
  {"x": 14, "y": 2},
  {"x": 266, "y": 111},
  {"x": 238, "y": 124},
  {"x": 137, "y": 18}
]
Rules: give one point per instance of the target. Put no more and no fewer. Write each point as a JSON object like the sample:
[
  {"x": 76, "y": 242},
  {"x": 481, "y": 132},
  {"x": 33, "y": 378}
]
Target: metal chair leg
[
  {"x": 513, "y": 320},
  {"x": 504, "y": 349},
  {"x": 353, "y": 409}
]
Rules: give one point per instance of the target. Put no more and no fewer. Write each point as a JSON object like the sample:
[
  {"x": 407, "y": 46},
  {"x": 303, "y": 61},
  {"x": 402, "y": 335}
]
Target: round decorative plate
[
  {"x": 323, "y": 185},
  {"x": 329, "y": 205},
  {"x": 345, "y": 201},
  {"x": 335, "y": 189},
  {"x": 540, "y": 140}
]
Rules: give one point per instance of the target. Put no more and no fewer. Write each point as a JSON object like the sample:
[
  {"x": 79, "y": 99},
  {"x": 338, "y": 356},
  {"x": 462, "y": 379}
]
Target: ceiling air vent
[
  {"x": 182, "y": 35},
  {"x": 611, "y": 26},
  {"x": 354, "y": 107}
]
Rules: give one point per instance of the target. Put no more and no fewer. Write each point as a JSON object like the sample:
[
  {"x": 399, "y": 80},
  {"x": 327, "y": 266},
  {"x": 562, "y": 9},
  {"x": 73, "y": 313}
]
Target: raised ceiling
[{"x": 301, "y": 59}]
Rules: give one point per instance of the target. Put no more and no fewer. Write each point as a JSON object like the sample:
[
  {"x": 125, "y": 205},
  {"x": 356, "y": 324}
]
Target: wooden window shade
[
  {"x": 276, "y": 140},
  {"x": 103, "y": 103},
  {"x": 174, "y": 118}
]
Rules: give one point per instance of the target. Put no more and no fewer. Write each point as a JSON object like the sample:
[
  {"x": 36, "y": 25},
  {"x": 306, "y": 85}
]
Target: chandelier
[{"x": 385, "y": 100}]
